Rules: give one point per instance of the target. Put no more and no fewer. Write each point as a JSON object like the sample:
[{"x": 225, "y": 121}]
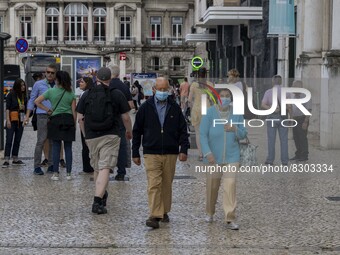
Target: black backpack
[{"x": 99, "y": 112}]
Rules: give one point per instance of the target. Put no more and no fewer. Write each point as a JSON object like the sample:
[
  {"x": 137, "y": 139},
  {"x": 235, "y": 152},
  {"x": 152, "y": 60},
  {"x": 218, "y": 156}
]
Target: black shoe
[
  {"x": 98, "y": 208},
  {"x": 166, "y": 218},
  {"x": 105, "y": 198},
  {"x": 294, "y": 158},
  {"x": 5, "y": 165},
  {"x": 152, "y": 222},
  {"x": 18, "y": 163},
  {"x": 44, "y": 163},
  {"x": 302, "y": 159},
  {"x": 285, "y": 164},
  {"x": 62, "y": 163},
  {"x": 120, "y": 177}
]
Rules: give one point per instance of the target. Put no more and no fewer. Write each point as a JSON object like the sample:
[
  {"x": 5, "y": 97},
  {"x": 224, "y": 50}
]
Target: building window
[
  {"x": 125, "y": 28},
  {"x": 156, "y": 23},
  {"x": 99, "y": 20},
  {"x": 75, "y": 22},
  {"x": 156, "y": 63},
  {"x": 1, "y": 24},
  {"x": 26, "y": 27},
  {"x": 176, "y": 63},
  {"x": 177, "y": 23},
  {"x": 52, "y": 17}
]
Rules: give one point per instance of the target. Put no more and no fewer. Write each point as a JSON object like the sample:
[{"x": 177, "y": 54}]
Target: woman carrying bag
[
  {"x": 220, "y": 145},
  {"x": 61, "y": 126},
  {"x": 16, "y": 102}
]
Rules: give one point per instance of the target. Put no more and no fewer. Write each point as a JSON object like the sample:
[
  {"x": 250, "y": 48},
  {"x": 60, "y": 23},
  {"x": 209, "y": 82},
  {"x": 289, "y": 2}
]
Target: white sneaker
[
  {"x": 232, "y": 225},
  {"x": 55, "y": 177},
  {"x": 209, "y": 218},
  {"x": 69, "y": 177}
]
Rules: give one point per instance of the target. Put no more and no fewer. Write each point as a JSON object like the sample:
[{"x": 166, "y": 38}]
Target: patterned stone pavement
[{"x": 278, "y": 213}]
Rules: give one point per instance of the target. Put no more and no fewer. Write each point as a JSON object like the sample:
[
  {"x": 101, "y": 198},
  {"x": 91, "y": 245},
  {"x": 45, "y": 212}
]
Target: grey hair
[{"x": 115, "y": 71}]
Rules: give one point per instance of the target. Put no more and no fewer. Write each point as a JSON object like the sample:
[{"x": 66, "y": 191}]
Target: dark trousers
[
  {"x": 56, "y": 145},
  {"x": 122, "y": 154},
  {"x": 300, "y": 139},
  {"x": 13, "y": 133},
  {"x": 135, "y": 104},
  {"x": 87, "y": 168}
]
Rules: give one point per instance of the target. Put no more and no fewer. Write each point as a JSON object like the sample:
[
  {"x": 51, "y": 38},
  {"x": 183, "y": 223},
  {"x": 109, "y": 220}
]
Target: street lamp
[{"x": 3, "y": 37}]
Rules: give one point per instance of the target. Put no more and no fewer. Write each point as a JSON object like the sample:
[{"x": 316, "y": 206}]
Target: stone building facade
[{"x": 150, "y": 32}]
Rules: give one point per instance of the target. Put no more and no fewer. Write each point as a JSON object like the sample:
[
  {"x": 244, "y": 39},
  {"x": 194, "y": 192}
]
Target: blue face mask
[
  {"x": 161, "y": 96},
  {"x": 225, "y": 101}
]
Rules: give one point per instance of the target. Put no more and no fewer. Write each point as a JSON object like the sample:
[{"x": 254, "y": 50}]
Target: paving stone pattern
[{"x": 278, "y": 213}]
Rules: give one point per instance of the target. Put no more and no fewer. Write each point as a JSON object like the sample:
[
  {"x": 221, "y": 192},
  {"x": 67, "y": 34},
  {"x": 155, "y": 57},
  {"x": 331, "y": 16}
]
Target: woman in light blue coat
[{"x": 220, "y": 133}]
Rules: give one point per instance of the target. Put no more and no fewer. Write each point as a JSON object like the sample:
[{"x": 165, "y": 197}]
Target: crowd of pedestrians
[{"x": 160, "y": 128}]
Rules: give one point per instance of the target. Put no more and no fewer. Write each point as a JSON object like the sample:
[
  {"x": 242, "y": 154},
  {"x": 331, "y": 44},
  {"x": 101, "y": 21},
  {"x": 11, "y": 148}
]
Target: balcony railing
[
  {"x": 176, "y": 68},
  {"x": 155, "y": 67},
  {"x": 29, "y": 39},
  {"x": 51, "y": 39},
  {"x": 176, "y": 41},
  {"x": 99, "y": 40},
  {"x": 156, "y": 41},
  {"x": 75, "y": 40},
  {"x": 125, "y": 40}
]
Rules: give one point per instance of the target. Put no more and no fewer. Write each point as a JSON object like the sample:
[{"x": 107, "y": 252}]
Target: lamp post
[{"x": 3, "y": 37}]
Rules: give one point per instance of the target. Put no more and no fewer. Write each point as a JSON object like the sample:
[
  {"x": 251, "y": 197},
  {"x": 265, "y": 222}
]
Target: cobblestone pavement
[{"x": 278, "y": 213}]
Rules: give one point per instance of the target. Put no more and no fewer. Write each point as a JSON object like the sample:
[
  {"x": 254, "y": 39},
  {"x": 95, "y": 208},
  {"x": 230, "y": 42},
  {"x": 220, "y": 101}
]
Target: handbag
[
  {"x": 248, "y": 153},
  {"x": 14, "y": 116}
]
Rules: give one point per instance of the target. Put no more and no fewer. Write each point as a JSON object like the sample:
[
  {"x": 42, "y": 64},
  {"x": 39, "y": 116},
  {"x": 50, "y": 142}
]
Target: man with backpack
[{"x": 99, "y": 111}]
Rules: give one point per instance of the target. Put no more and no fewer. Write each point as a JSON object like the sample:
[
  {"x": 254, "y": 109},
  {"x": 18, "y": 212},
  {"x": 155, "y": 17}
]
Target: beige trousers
[
  {"x": 229, "y": 193},
  {"x": 160, "y": 171}
]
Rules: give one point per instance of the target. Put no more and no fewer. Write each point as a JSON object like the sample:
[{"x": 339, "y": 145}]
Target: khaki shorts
[{"x": 103, "y": 151}]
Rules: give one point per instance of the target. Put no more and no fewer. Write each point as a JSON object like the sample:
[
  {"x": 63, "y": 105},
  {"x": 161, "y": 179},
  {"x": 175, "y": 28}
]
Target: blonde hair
[{"x": 233, "y": 75}]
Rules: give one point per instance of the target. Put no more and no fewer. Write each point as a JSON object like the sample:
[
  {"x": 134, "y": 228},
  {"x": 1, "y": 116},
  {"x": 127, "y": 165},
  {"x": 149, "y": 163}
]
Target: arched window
[
  {"x": 156, "y": 63},
  {"x": 99, "y": 20},
  {"x": 75, "y": 17},
  {"x": 52, "y": 18}
]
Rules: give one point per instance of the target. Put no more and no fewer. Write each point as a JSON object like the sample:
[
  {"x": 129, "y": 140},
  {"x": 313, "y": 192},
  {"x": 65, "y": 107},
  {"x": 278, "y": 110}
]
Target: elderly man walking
[{"x": 161, "y": 123}]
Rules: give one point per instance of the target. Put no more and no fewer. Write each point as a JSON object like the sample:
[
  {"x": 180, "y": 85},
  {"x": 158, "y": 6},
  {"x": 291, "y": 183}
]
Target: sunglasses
[{"x": 49, "y": 72}]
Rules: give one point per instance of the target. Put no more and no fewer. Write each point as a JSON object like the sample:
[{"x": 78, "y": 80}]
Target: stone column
[
  {"x": 138, "y": 28},
  {"x": 336, "y": 26},
  {"x": 166, "y": 25},
  {"x": 313, "y": 20},
  {"x": 14, "y": 20},
  {"x": 90, "y": 23},
  {"x": 61, "y": 23},
  {"x": 40, "y": 24},
  {"x": 109, "y": 23},
  {"x": 330, "y": 79}
]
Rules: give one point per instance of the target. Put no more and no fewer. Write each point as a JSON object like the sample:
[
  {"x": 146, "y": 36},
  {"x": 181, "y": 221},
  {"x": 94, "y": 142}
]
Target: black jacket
[{"x": 155, "y": 139}]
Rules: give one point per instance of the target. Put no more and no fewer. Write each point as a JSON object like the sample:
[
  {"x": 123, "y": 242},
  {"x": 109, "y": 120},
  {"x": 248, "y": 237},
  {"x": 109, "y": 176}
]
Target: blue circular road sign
[{"x": 21, "y": 45}]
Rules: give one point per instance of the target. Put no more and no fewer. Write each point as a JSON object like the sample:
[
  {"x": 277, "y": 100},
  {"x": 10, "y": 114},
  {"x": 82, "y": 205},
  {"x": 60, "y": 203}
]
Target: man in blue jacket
[{"x": 161, "y": 123}]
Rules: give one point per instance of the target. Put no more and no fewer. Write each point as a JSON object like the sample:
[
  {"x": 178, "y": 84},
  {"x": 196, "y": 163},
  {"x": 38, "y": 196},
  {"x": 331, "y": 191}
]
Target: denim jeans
[
  {"x": 122, "y": 155},
  {"x": 272, "y": 127},
  {"x": 15, "y": 132},
  {"x": 56, "y": 155}
]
